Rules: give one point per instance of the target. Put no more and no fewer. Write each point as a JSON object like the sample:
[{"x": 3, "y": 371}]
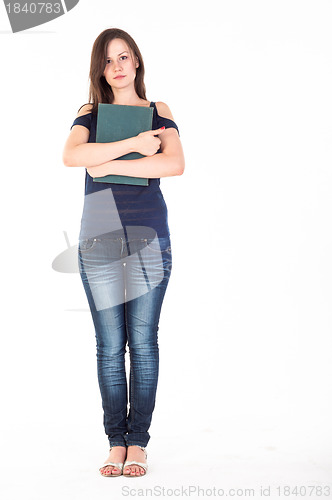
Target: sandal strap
[
  {"x": 133, "y": 462},
  {"x": 118, "y": 465}
]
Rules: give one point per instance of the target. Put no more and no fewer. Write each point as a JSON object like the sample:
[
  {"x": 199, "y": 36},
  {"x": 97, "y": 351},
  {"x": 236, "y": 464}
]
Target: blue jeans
[{"x": 125, "y": 281}]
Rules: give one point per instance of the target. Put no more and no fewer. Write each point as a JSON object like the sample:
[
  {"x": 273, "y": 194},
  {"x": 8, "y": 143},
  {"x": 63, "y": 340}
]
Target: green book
[{"x": 116, "y": 122}]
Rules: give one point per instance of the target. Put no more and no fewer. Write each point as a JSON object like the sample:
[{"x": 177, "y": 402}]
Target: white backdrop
[{"x": 244, "y": 395}]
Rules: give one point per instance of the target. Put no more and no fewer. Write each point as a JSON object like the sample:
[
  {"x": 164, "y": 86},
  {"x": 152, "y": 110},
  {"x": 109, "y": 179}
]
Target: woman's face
[{"x": 120, "y": 70}]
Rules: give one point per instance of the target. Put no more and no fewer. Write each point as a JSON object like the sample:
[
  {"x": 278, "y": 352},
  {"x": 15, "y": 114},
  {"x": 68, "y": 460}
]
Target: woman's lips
[{"x": 120, "y": 76}]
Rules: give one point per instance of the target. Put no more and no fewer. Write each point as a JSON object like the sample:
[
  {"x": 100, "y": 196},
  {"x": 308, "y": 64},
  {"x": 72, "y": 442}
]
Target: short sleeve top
[{"x": 141, "y": 206}]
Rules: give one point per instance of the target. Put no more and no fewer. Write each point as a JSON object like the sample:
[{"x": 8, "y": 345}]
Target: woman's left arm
[{"x": 170, "y": 161}]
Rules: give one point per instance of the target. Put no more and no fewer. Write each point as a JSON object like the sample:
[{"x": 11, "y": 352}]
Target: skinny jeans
[{"x": 125, "y": 280}]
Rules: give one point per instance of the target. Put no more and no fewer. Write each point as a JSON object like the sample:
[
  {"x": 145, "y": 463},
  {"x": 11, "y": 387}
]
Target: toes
[
  {"x": 137, "y": 471},
  {"x": 108, "y": 470},
  {"x": 134, "y": 470},
  {"x": 105, "y": 470}
]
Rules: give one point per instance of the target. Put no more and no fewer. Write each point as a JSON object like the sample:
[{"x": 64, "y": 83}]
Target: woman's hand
[{"x": 146, "y": 143}]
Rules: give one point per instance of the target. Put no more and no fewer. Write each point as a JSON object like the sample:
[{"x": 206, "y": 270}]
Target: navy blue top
[{"x": 135, "y": 205}]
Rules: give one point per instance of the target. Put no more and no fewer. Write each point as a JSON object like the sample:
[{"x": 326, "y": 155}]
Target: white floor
[
  {"x": 238, "y": 460},
  {"x": 229, "y": 419}
]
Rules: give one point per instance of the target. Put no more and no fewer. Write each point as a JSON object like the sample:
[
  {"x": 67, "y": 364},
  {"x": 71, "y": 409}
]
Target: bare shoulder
[
  {"x": 84, "y": 110},
  {"x": 163, "y": 110}
]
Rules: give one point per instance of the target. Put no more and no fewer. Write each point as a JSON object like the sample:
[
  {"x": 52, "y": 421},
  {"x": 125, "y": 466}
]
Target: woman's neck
[{"x": 128, "y": 98}]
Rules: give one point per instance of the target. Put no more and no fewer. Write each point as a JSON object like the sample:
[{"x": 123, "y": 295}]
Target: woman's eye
[{"x": 108, "y": 61}]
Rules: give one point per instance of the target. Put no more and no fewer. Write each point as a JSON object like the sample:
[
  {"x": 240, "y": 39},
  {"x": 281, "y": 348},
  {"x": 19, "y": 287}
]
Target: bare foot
[
  {"x": 134, "y": 453},
  {"x": 117, "y": 454}
]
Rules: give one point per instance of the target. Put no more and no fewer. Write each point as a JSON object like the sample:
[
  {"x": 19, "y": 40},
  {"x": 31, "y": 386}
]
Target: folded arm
[
  {"x": 100, "y": 159},
  {"x": 78, "y": 152},
  {"x": 165, "y": 164}
]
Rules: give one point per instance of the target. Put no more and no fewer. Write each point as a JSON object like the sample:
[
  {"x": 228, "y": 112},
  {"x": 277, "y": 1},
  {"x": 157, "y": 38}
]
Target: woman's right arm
[{"x": 78, "y": 152}]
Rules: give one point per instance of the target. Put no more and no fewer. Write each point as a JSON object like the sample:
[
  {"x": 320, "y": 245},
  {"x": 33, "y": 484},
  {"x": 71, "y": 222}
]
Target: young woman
[{"x": 124, "y": 255}]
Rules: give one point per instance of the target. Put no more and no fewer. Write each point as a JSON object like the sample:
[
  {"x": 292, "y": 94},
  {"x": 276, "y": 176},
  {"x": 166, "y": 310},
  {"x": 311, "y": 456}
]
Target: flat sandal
[
  {"x": 118, "y": 465},
  {"x": 133, "y": 462}
]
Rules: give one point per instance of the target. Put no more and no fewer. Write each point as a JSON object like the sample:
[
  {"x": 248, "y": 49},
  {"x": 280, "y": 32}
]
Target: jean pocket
[
  {"x": 159, "y": 245},
  {"x": 87, "y": 244}
]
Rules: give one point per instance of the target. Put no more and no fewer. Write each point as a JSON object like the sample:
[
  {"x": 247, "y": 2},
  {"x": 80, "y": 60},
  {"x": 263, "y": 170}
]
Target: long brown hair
[{"x": 100, "y": 90}]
